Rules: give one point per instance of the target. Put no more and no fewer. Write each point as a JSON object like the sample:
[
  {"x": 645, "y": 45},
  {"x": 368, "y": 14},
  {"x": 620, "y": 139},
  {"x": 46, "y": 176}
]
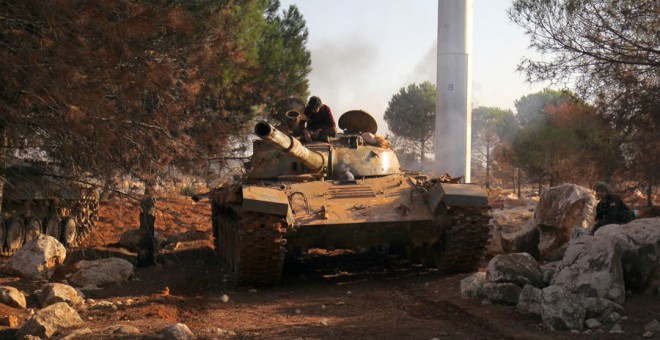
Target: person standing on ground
[
  {"x": 321, "y": 123},
  {"x": 610, "y": 208}
]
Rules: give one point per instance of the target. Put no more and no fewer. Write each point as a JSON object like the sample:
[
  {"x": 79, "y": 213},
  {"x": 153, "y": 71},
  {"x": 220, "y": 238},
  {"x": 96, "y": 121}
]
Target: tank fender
[
  {"x": 462, "y": 195},
  {"x": 267, "y": 201}
]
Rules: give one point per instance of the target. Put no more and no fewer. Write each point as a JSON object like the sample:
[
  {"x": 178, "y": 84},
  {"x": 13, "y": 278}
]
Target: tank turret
[
  {"x": 279, "y": 155},
  {"x": 313, "y": 160}
]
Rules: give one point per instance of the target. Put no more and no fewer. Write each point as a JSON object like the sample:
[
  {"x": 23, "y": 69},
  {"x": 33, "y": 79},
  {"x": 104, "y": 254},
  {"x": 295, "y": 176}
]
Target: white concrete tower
[{"x": 454, "y": 94}]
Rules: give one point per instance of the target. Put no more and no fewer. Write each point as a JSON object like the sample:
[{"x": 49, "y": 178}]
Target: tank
[
  {"x": 347, "y": 192},
  {"x": 35, "y": 203}
]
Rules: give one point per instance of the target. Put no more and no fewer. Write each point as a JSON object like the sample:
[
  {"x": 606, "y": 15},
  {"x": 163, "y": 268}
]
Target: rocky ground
[{"x": 325, "y": 295}]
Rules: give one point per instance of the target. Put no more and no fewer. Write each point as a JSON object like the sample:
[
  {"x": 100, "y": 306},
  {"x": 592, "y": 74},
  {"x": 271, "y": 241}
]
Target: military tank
[
  {"x": 341, "y": 193},
  {"x": 34, "y": 203}
]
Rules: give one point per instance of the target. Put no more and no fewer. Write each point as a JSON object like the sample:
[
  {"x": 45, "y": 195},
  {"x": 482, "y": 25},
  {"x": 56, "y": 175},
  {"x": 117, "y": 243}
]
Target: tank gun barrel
[{"x": 312, "y": 160}]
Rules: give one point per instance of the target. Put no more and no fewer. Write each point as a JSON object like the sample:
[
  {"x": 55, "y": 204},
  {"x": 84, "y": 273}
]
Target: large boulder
[
  {"x": 501, "y": 293},
  {"x": 514, "y": 231},
  {"x": 12, "y": 297},
  {"x": 560, "y": 314},
  {"x": 560, "y": 209},
  {"x": 46, "y": 322},
  {"x": 561, "y": 310},
  {"x": 529, "y": 301},
  {"x": 519, "y": 268},
  {"x": 592, "y": 267},
  {"x": 639, "y": 242},
  {"x": 99, "y": 272},
  {"x": 36, "y": 259},
  {"x": 603, "y": 310},
  {"x": 471, "y": 286},
  {"x": 53, "y": 293}
]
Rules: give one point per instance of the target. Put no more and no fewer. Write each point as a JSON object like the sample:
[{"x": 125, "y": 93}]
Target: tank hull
[{"x": 281, "y": 219}]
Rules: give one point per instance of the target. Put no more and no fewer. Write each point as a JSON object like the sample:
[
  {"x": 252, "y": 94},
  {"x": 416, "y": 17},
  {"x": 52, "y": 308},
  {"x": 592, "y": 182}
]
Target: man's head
[
  {"x": 601, "y": 189},
  {"x": 314, "y": 103}
]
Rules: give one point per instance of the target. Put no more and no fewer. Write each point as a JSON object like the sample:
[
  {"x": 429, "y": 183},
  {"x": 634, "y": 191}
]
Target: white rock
[
  {"x": 616, "y": 329},
  {"x": 325, "y": 321},
  {"x": 592, "y": 323},
  {"x": 513, "y": 231},
  {"x": 530, "y": 300},
  {"x": 225, "y": 332},
  {"x": 224, "y": 298},
  {"x": 471, "y": 285},
  {"x": 100, "y": 272},
  {"x": 77, "y": 334},
  {"x": 177, "y": 331},
  {"x": 12, "y": 297},
  {"x": 119, "y": 329},
  {"x": 648, "y": 334},
  {"x": 639, "y": 242},
  {"x": 52, "y": 293},
  {"x": 561, "y": 209},
  {"x": 653, "y": 326},
  {"x": 104, "y": 303},
  {"x": 561, "y": 310},
  {"x": 49, "y": 320},
  {"x": 603, "y": 310},
  {"x": 501, "y": 293},
  {"x": 592, "y": 267},
  {"x": 37, "y": 258},
  {"x": 518, "y": 268}
]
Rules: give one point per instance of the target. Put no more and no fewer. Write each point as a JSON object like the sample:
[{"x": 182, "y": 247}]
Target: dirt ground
[{"x": 338, "y": 295}]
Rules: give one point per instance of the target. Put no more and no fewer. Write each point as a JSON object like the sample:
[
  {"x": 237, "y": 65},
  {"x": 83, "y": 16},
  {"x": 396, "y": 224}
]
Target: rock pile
[{"x": 585, "y": 284}]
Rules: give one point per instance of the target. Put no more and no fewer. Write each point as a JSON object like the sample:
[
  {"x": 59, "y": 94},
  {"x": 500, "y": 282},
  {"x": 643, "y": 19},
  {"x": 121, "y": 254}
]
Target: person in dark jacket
[
  {"x": 610, "y": 208},
  {"x": 321, "y": 123}
]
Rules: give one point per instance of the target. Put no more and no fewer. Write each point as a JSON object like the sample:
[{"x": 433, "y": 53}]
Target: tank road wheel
[
  {"x": 15, "y": 235},
  {"x": 32, "y": 229},
  {"x": 462, "y": 247},
  {"x": 69, "y": 232},
  {"x": 252, "y": 247},
  {"x": 53, "y": 227},
  {"x": 3, "y": 232}
]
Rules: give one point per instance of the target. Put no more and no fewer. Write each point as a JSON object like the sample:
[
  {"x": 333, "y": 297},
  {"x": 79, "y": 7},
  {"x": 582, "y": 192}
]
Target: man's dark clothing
[
  {"x": 611, "y": 210},
  {"x": 320, "y": 120}
]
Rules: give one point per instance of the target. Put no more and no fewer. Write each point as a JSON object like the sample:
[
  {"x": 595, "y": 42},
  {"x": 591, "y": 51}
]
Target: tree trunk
[
  {"x": 519, "y": 180},
  {"x": 421, "y": 154},
  {"x": 488, "y": 167},
  {"x": 3, "y": 145},
  {"x": 649, "y": 193},
  {"x": 147, "y": 244}
]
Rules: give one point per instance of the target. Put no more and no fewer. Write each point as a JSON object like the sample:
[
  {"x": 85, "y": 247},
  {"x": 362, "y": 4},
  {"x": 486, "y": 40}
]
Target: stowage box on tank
[{"x": 345, "y": 192}]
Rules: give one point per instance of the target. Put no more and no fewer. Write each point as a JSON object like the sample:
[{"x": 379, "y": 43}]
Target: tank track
[
  {"x": 251, "y": 246},
  {"x": 85, "y": 211},
  {"x": 71, "y": 224},
  {"x": 465, "y": 241}
]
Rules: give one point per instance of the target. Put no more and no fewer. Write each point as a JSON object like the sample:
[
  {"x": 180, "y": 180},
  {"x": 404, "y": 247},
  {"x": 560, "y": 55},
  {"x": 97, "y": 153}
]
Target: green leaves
[{"x": 411, "y": 115}]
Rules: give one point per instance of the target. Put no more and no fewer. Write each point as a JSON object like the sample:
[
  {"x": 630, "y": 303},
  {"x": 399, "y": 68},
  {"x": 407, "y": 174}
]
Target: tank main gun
[{"x": 314, "y": 161}]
